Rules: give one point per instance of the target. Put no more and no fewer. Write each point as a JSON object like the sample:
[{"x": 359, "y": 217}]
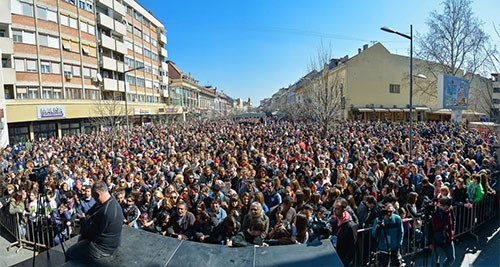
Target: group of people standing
[{"x": 275, "y": 182}]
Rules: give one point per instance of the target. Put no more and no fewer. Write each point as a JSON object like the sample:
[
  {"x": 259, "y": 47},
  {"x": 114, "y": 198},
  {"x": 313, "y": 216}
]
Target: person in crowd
[
  {"x": 366, "y": 211},
  {"x": 441, "y": 234},
  {"x": 61, "y": 219},
  {"x": 256, "y": 212},
  {"x": 100, "y": 230},
  {"x": 181, "y": 222},
  {"x": 85, "y": 202},
  {"x": 389, "y": 234},
  {"x": 475, "y": 189},
  {"x": 249, "y": 237},
  {"x": 344, "y": 232}
]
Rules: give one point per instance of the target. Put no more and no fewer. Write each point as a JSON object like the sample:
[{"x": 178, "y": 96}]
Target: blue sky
[{"x": 252, "y": 48}]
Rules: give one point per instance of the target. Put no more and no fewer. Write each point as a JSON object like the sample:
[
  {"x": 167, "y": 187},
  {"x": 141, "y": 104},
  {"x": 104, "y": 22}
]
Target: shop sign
[
  {"x": 142, "y": 111},
  {"x": 49, "y": 112}
]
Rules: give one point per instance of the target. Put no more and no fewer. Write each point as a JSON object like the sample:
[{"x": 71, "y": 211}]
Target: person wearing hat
[{"x": 389, "y": 234}]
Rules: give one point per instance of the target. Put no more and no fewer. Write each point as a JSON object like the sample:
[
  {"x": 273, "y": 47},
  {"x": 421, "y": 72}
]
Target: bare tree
[
  {"x": 455, "y": 45},
  {"x": 322, "y": 95},
  {"x": 109, "y": 115}
]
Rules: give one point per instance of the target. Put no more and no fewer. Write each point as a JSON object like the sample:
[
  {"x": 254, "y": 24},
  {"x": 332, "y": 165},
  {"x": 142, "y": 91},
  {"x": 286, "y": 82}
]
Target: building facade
[
  {"x": 374, "y": 85},
  {"x": 61, "y": 57}
]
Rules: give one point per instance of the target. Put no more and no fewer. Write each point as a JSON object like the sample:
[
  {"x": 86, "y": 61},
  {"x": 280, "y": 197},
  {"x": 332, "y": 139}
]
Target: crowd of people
[{"x": 242, "y": 183}]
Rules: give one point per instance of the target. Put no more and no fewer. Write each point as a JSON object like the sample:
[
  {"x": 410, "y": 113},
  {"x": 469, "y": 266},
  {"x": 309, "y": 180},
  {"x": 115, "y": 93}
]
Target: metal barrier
[
  {"x": 10, "y": 222},
  {"x": 415, "y": 238},
  {"x": 37, "y": 231}
]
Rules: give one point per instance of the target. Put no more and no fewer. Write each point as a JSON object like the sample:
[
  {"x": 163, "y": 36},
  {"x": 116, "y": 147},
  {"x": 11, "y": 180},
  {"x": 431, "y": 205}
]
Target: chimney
[
  {"x": 365, "y": 47},
  {"x": 359, "y": 50}
]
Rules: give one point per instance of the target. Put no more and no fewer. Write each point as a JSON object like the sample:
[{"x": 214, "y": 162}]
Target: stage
[{"x": 141, "y": 248}]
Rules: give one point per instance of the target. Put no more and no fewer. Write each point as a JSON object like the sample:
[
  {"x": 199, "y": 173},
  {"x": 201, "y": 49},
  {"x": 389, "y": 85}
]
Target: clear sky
[{"x": 252, "y": 48}]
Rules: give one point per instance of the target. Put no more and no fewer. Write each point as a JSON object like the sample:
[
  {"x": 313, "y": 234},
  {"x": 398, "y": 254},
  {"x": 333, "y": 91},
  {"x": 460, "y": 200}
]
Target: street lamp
[
  {"x": 126, "y": 102},
  {"x": 410, "y": 37}
]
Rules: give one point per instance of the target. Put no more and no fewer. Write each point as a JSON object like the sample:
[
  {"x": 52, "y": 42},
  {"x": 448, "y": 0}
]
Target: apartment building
[{"x": 63, "y": 59}]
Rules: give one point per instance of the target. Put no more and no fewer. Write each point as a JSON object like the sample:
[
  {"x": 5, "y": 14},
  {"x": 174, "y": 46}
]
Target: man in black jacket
[
  {"x": 344, "y": 231},
  {"x": 101, "y": 229}
]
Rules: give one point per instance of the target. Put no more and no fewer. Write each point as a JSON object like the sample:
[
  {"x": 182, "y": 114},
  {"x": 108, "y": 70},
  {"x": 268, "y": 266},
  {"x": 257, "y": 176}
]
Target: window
[
  {"x": 86, "y": 5},
  {"x": 73, "y": 2},
  {"x": 17, "y": 36},
  {"x": 67, "y": 69},
  {"x": 130, "y": 28},
  {"x": 146, "y": 37},
  {"x": 57, "y": 93},
  {"x": 19, "y": 64},
  {"x": 25, "y": 37},
  {"x": 47, "y": 40},
  {"x": 130, "y": 45},
  {"x": 70, "y": 21},
  {"x": 140, "y": 82},
  {"x": 45, "y": 67},
  {"x": 87, "y": 27},
  {"x": 128, "y": 9},
  {"x": 76, "y": 71},
  {"x": 86, "y": 72},
  {"x": 31, "y": 65},
  {"x": 46, "y": 14},
  {"x": 145, "y": 22},
  {"x": 67, "y": 45},
  {"x": 138, "y": 49},
  {"x": 91, "y": 94},
  {"x": 47, "y": 93},
  {"x": 154, "y": 56},
  {"x": 137, "y": 32},
  {"x": 496, "y": 89},
  {"x": 138, "y": 16},
  {"x": 21, "y": 93},
  {"x": 33, "y": 93},
  {"x": 130, "y": 80},
  {"x": 149, "y": 84},
  {"x": 56, "y": 67},
  {"x": 22, "y": 8},
  {"x": 147, "y": 53},
  {"x": 73, "y": 93},
  {"x": 154, "y": 42},
  {"x": 394, "y": 88},
  {"x": 496, "y": 101}
]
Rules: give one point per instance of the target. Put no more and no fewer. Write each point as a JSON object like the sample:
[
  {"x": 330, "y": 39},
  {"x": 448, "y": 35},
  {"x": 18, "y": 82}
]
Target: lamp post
[
  {"x": 410, "y": 37},
  {"x": 126, "y": 103}
]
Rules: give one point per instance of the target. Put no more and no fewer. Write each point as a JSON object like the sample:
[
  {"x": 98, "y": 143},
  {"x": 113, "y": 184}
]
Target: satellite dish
[{"x": 99, "y": 77}]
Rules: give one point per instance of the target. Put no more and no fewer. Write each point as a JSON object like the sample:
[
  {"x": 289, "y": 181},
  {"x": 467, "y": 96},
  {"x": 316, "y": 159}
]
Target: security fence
[
  {"x": 36, "y": 232},
  {"x": 466, "y": 220}
]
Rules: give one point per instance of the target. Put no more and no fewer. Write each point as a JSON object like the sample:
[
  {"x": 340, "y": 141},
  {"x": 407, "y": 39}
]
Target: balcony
[
  {"x": 164, "y": 79},
  {"x": 108, "y": 63},
  {"x": 110, "y": 84},
  {"x": 121, "y": 47},
  {"x": 120, "y": 28},
  {"x": 7, "y": 45},
  {"x": 107, "y": 3},
  {"x": 6, "y": 16},
  {"x": 119, "y": 8},
  {"x": 121, "y": 86},
  {"x": 120, "y": 66},
  {"x": 9, "y": 75},
  {"x": 163, "y": 52},
  {"x": 164, "y": 93},
  {"x": 162, "y": 38},
  {"x": 105, "y": 21},
  {"x": 107, "y": 42}
]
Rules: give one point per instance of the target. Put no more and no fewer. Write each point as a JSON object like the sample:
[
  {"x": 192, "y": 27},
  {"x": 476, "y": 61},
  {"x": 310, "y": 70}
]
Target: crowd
[{"x": 245, "y": 183}]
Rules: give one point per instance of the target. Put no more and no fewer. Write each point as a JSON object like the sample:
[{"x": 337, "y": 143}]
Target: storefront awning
[
  {"x": 379, "y": 109},
  {"x": 422, "y": 109},
  {"x": 473, "y": 112},
  {"x": 442, "y": 111},
  {"x": 365, "y": 109},
  {"x": 395, "y": 110}
]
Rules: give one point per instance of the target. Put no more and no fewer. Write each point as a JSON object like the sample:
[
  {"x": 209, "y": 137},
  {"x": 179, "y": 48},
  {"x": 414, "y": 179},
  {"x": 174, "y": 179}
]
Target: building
[
  {"x": 374, "y": 85},
  {"x": 60, "y": 58}
]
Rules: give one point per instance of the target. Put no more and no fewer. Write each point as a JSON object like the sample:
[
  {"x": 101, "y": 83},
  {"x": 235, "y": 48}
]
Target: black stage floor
[{"x": 140, "y": 248}]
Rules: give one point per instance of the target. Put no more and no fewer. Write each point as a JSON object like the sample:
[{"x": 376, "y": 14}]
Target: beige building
[
  {"x": 374, "y": 85},
  {"x": 61, "y": 57}
]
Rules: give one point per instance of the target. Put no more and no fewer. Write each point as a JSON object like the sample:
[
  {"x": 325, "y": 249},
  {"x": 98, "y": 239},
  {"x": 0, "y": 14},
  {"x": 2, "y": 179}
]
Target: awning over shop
[
  {"x": 395, "y": 110},
  {"x": 473, "y": 112},
  {"x": 379, "y": 109},
  {"x": 422, "y": 109},
  {"x": 442, "y": 111},
  {"x": 365, "y": 109}
]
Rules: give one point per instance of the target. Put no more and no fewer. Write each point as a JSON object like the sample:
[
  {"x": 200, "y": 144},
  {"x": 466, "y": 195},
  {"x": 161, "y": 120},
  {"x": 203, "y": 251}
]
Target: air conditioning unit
[
  {"x": 68, "y": 75},
  {"x": 94, "y": 79}
]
